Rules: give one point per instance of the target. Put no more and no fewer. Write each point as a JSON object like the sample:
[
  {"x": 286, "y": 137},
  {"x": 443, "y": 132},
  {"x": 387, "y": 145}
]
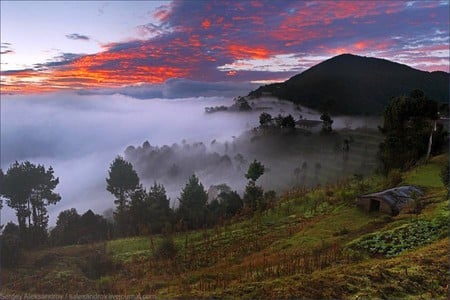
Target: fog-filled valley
[
  {"x": 182, "y": 149},
  {"x": 167, "y": 140}
]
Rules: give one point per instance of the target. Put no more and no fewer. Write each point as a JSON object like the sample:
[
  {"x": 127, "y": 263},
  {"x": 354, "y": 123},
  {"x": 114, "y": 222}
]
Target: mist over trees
[
  {"x": 283, "y": 145},
  {"x": 277, "y": 154},
  {"x": 141, "y": 212},
  {"x": 253, "y": 195}
]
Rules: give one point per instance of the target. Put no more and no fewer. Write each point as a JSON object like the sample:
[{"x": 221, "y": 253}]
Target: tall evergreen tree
[
  {"x": 160, "y": 211},
  {"x": 139, "y": 212},
  {"x": 255, "y": 170},
  {"x": 253, "y": 195},
  {"x": 123, "y": 183},
  {"x": 193, "y": 199}
]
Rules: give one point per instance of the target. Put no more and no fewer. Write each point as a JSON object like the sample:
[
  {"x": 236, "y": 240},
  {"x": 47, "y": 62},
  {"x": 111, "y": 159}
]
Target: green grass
[
  {"x": 125, "y": 249},
  {"x": 427, "y": 175},
  {"x": 327, "y": 228},
  {"x": 241, "y": 258}
]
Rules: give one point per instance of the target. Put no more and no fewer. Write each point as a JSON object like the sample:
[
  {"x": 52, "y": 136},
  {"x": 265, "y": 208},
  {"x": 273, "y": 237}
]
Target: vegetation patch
[{"x": 394, "y": 242}]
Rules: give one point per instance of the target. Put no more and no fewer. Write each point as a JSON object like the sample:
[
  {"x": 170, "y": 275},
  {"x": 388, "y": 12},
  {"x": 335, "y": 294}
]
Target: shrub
[
  {"x": 11, "y": 246},
  {"x": 167, "y": 249}
]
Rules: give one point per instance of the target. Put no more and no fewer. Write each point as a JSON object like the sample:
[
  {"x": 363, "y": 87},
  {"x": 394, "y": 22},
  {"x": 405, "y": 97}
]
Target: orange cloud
[
  {"x": 81, "y": 75},
  {"x": 242, "y": 51}
]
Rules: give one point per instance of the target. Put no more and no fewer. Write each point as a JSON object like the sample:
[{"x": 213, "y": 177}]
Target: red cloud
[
  {"x": 242, "y": 51},
  {"x": 201, "y": 36}
]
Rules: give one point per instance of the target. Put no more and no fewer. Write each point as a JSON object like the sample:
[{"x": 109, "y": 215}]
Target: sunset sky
[{"x": 48, "y": 46}]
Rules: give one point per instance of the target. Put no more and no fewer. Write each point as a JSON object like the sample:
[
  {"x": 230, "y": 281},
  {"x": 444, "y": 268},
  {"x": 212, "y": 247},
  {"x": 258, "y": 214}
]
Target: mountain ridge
[{"x": 356, "y": 85}]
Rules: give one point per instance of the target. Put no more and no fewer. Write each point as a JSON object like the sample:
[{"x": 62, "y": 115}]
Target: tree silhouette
[
  {"x": 288, "y": 122},
  {"x": 159, "y": 205},
  {"x": 193, "y": 199},
  {"x": 253, "y": 195},
  {"x": 28, "y": 190},
  {"x": 265, "y": 119},
  {"x": 255, "y": 170},
  {"x": 122, "y": 181},
  {"x": 327, "y": 122}
]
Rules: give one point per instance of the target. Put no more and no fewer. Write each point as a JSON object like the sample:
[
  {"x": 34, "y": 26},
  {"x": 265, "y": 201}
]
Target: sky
[{"x": 83, "y": 45}]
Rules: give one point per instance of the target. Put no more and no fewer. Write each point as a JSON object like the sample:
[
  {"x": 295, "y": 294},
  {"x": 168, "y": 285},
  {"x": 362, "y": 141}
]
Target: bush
[
  {"x": 11, "y": 246},
  {"x": 167, "y": 249}
]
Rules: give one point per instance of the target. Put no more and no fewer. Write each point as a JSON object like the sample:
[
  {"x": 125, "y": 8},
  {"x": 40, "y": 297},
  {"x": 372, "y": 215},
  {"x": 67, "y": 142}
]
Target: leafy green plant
[{"x": 394, "y": 242}]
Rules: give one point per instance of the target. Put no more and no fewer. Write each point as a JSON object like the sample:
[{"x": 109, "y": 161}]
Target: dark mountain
[{"x": 350, "y": 84}]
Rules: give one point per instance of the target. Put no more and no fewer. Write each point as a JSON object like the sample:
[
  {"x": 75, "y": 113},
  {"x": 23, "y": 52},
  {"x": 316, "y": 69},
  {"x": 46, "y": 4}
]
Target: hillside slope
[
  {"x": 310, "y": 245},
  {"x": 350, "y": 84}
]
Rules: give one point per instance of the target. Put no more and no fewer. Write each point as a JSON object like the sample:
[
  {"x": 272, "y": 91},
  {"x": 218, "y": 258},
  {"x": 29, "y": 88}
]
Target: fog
[{"x": 80, "y": 135}]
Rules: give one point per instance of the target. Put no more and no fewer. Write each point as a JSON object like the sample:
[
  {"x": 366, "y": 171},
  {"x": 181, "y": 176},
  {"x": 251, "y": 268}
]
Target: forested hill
[{"x": 350, "y": 84}]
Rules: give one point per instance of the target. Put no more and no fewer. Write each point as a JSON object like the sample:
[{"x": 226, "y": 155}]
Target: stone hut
[{"x": 390, "y": 201}]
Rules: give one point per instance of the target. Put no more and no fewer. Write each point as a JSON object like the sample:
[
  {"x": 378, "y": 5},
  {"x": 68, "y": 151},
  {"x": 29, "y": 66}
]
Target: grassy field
[
  {"x": 427, "y": 175},
  {"x": 313, "y": 244}
]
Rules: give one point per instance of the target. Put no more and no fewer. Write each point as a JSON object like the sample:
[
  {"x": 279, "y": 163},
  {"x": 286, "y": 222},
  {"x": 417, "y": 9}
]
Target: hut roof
[{"x": 396, "y": 197}]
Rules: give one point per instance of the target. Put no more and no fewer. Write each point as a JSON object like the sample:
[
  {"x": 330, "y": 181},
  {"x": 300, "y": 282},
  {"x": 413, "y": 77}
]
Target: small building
[{"x": 390, "y": 201}]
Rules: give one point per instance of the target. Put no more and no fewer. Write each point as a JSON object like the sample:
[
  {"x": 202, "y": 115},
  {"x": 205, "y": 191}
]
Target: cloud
[
  {"x": 177, "y": 88},
  {"x": 219, "y": 41},
  {"x": 7, "y": 52},
  {"x": 80, "y": 135},
  {"x": 60, "y": 60},
  {"x": 76, "y": 36},
  {"x": 6, "y": 48}
]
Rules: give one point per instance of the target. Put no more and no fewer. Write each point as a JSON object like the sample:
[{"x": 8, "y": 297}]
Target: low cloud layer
[
  {"x": 178, "y": 88},
  {"x": 80, "y": 136}
]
